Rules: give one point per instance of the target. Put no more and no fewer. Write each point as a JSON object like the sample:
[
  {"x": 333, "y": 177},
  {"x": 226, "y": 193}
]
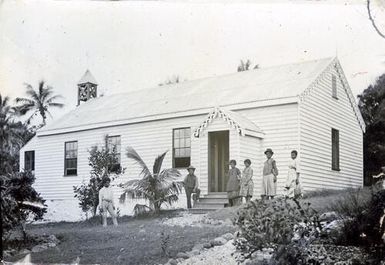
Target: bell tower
[{"x": 87, "y": 87}]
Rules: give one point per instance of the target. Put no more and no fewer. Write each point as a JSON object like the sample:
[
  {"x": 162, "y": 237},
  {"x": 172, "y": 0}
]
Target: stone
[
  {"x": 172, "y": 262},
  {"x": 51, "y": 244},
  {"x": 182, "y": 255},
  {"x": 228, "y": 236},
  {"x": 142, "y": 231},
  {"x": 39, "y": 248},
  {"x": 219, "y": 241},
  {"x": 24, "y": 251},
  {"x": 328, "y": 217},
  {"x": 194, "y": 252},
  {"x": 198, "y": 247},
  {"x": 207, "y": 245}
]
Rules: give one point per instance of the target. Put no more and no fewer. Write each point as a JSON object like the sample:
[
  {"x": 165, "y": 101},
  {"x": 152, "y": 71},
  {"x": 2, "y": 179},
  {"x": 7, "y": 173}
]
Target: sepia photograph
[{"x": 149, "y": 132}]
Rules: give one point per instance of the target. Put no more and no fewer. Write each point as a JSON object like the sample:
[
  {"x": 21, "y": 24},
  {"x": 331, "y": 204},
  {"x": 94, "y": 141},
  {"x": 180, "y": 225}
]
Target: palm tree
[
  {"x": 158, "y": 187},
  {"x": 38, "y": 102},
  {"x": 12, "y": 135}
]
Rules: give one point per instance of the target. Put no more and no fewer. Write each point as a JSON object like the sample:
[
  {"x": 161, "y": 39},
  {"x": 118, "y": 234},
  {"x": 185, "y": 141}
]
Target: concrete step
[
  {"x": 220, "y": 195},
  {"x": 213, "y": 200}
]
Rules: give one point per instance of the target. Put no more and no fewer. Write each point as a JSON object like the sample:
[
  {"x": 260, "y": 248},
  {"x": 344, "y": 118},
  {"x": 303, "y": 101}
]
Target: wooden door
[{"x": 218, "y": 160}]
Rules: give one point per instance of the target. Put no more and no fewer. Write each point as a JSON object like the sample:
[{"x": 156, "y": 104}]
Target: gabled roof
[
  {"x": 87, "y": 78},
  {"x": 235, "y": 120},
  {"x": 258, "y": 85}
]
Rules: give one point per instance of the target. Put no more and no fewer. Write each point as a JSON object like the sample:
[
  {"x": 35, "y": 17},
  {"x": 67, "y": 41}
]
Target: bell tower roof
[{"x": 87, "y": 78}]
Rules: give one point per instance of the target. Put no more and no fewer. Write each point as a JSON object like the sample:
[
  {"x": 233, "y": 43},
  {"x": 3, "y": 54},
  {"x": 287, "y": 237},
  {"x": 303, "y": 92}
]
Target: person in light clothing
[
  {"x": 247, "y": 184},
  {"x": 191, "y": 186},
  {"x": 293, "y": 187},
  {"x": 270, "y": 173},
  {"x": 106, "y": 202},
  {"x": 233, "y": 184}
]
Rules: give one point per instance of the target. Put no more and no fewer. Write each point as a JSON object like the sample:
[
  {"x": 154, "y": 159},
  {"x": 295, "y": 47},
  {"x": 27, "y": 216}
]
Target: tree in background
[
  {"x": 13, "y": 135},
  {"x": 173, "y": 80},
  {"x": 103, "y": 162},
  {"x": 245, "y": 66},
  {"x": 157, "y": 187},
  {"x": 38, "y": 102},
  {"x": 372, "y": 106}
]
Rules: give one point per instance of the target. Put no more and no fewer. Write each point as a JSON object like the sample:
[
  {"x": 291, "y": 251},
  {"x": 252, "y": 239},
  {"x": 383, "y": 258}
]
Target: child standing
[
  {"x": 191, "y": 186},
  {"x": 247, "y": 185},
  {"x": 270, "y": 173},
  {"x": 106, "y": 202},
  {"x": 233, "y": 184},
  {"x": 292, "y": 183}
]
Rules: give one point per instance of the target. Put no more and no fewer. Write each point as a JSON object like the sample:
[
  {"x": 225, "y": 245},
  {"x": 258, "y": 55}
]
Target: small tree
[
  {"x": 158, "y": 187},
  {"x": 372, "y": 106},
  {"x": 103, "y": 162},
  {"x": 19, "y": 201}
]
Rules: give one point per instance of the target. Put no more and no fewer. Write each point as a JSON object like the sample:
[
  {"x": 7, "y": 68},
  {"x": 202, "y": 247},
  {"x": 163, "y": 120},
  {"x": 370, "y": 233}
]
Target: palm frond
[
  {"x": 55, "y": 104},
  {"x": 131, "y": 153},
  {"x": 158, "y": 163}
]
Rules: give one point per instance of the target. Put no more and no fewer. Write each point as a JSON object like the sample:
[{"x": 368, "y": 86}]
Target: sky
[{"x": 131, "y": 45}]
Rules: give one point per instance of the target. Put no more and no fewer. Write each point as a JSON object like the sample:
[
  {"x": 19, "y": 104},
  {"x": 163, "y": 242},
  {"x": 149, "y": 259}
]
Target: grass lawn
[{"x": 134, "y": 241}]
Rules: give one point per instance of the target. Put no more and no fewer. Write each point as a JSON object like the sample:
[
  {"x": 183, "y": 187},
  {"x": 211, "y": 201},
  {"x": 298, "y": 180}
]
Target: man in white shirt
[{"x": 106, "y": 202}]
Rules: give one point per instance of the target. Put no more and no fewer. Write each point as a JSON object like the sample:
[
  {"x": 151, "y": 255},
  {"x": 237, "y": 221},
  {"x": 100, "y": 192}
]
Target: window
[
  {"x": 334, "y": 87},
  {"x": 113, "y": 145},
  {"x": 70, "y": 158},
  {"x": 181, "y": 147},
  {"x": 29, "y": 160},
  {"x": 335, "y": 149}
]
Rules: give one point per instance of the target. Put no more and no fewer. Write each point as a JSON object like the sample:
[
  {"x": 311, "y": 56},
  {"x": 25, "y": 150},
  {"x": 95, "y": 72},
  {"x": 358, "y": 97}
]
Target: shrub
[
  {"x": 19, "y": 201},
  {"x": 102, "y": 161},
  {"x": 273, "y": 223},
  {"x": 157, "y": 187},
  {"x": 361, "y": 211}
]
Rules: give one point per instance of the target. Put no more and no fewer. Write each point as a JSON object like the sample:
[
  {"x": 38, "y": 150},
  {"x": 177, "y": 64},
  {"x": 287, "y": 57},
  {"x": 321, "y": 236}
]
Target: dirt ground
[{"x": 134, "y": 241}]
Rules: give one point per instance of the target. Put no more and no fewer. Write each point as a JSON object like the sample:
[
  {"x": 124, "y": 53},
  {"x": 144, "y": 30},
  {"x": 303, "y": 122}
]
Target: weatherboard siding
[
  {"x": 149, "y": 139},
  {"x": 319, "y": 113}
]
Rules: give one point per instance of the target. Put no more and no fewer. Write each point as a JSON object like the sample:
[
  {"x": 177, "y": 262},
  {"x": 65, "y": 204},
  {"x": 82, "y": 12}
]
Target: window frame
[
  {"x": 334, "y": 86},
  {"x": 65, "y": 159},
  {"x": 33, "y": 160},
  {"x": 115, "y": 168},
  {"x": 174, "y": 164},
  {"x": 335, "y": 141}
]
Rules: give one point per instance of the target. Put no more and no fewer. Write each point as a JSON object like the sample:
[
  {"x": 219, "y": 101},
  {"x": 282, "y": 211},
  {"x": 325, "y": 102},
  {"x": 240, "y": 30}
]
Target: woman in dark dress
[{"x": 233, "y": 184}]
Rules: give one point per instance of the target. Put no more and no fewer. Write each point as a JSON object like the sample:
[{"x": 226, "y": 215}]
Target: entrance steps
[{"x": 210, "y": 202}]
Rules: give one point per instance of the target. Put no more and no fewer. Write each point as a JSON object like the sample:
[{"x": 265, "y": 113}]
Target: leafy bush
[
  {"x": 102, "y": 162},
  {"x": 158, "y": 187},
  {"x": 361, "y": 212},
  {"x": 19, "y": 201},
  {"x": 273, "y": 223}
]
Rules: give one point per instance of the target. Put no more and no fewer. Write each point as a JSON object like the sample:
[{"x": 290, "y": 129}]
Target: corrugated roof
[
  {"x": 275, "y": 82},
  {"x": 87, "y": 78}
]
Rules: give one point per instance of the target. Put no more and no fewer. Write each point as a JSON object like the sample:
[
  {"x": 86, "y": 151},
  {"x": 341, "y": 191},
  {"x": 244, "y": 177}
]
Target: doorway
[{"x": 218, "y": 156}]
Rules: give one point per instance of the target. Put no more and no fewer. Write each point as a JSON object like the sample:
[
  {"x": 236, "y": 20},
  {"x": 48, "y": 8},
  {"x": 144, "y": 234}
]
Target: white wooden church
[{"x": 306, "y": 106}]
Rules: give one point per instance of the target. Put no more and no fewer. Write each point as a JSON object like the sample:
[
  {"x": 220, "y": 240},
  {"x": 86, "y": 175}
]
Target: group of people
[{"x": 240, "y": 185}]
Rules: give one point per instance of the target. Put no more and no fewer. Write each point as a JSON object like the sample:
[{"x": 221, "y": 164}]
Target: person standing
[
  {"x": 106, "y": 202},
  {"x": 191, "y": 186},
  {"x": 270, "y": 173},
  {"x": 292, "y": 186},
  {"x": 247, "y": 185},
  {"x": 233, "y": 184}
]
